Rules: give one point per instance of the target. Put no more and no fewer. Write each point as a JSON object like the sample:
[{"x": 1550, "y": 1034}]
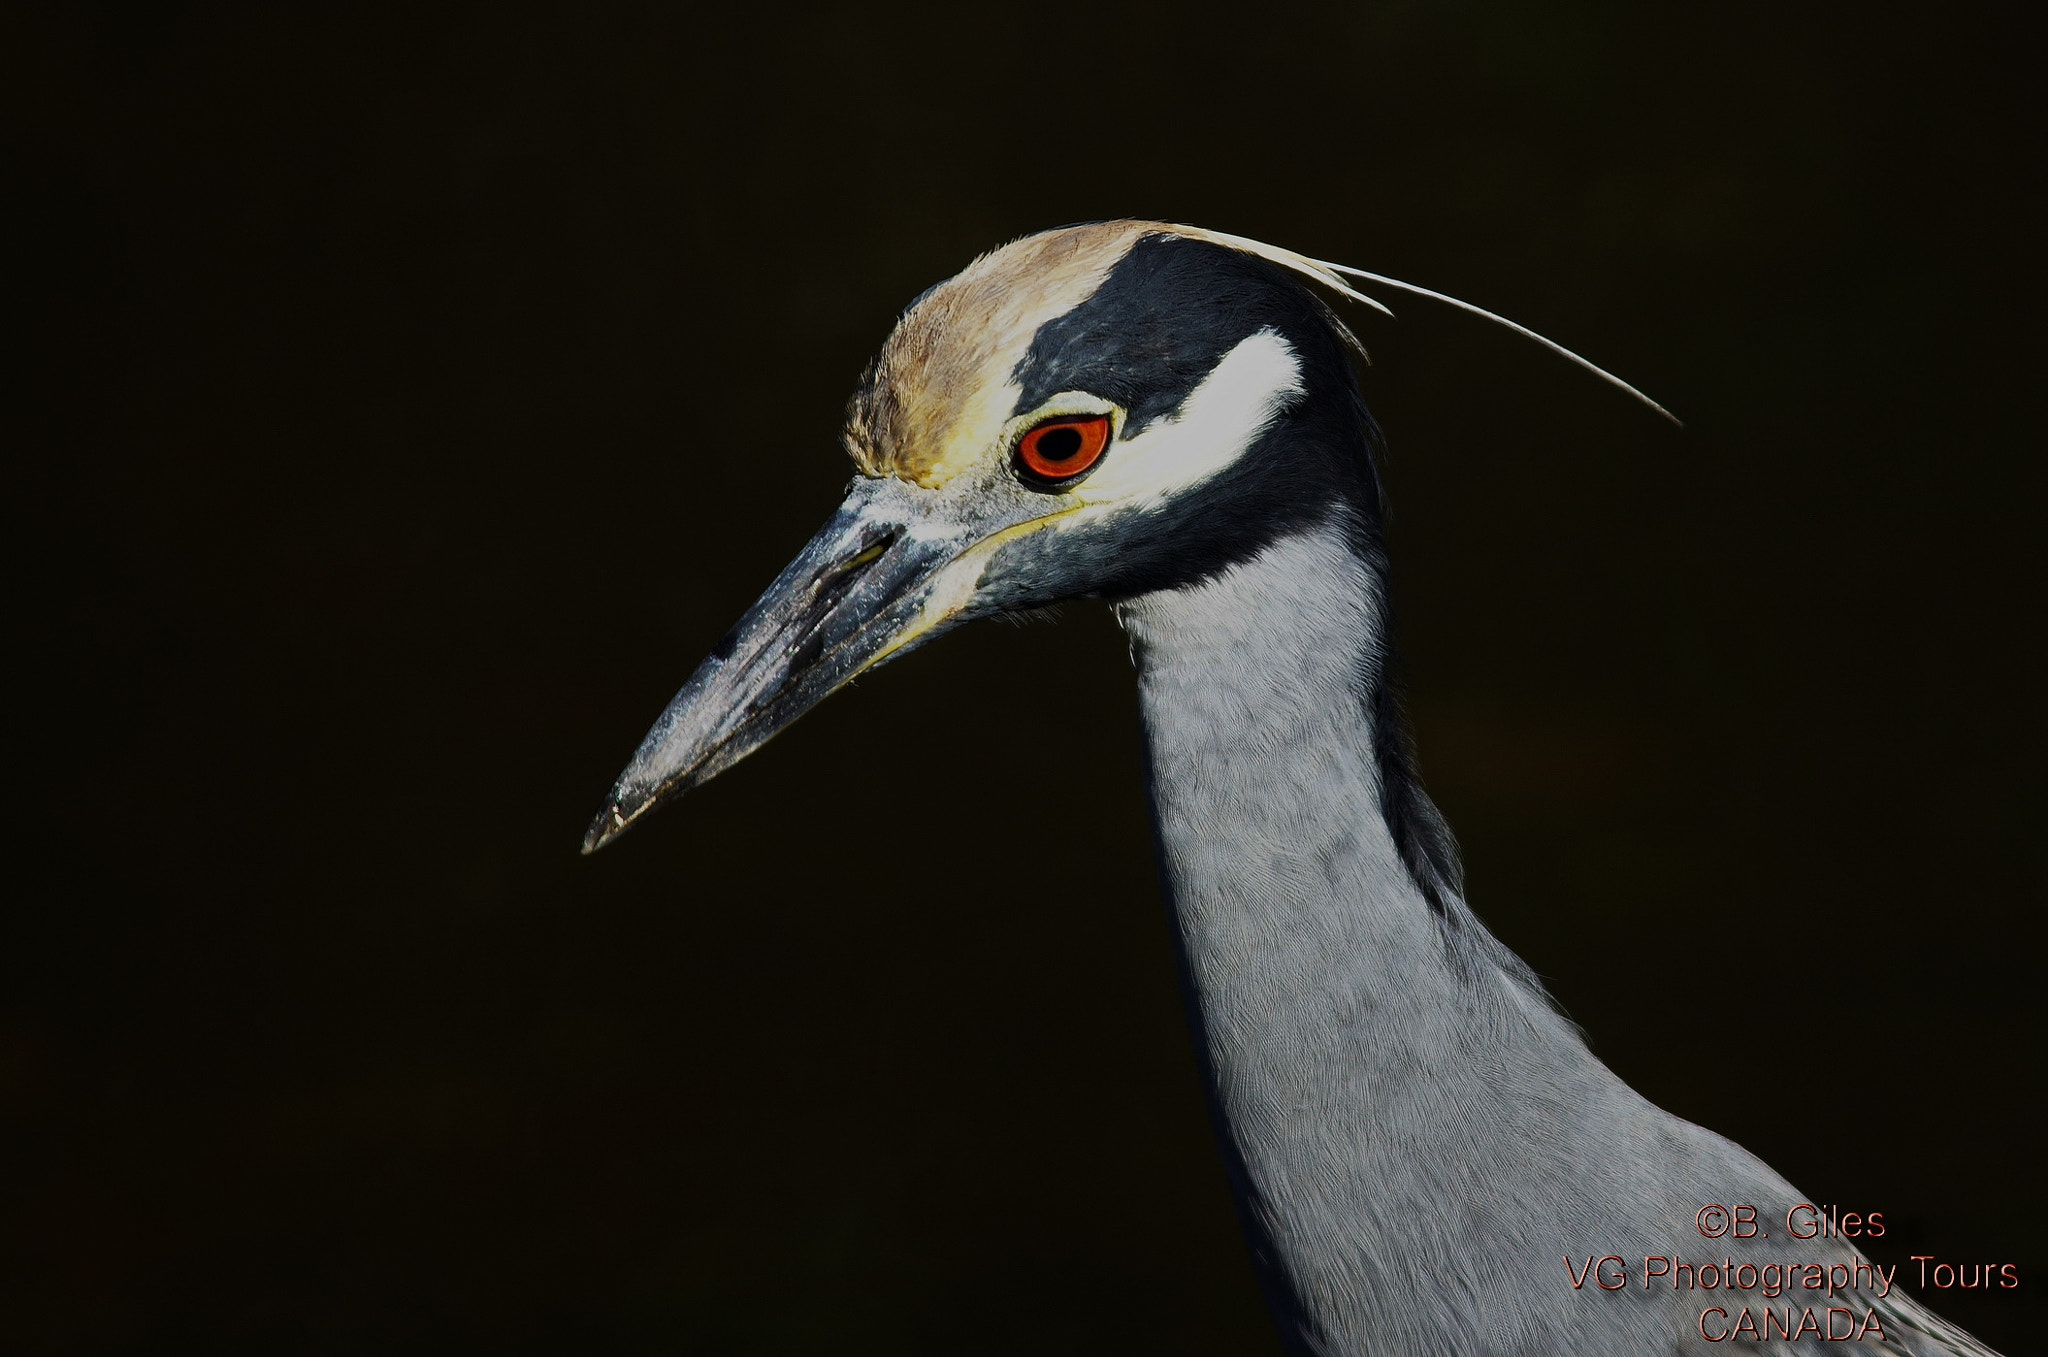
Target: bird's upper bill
[{"x": 1097, "y": 410}]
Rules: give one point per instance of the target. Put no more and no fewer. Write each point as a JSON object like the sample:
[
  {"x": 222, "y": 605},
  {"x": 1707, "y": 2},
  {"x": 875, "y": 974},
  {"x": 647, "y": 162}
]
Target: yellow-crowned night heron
[{"x": 1427, "y": 1157}]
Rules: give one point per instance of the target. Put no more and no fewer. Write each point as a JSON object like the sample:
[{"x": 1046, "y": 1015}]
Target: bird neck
[
  {"x": 1345, "y": 1021},
  {"x": 1260, "y": 691}
]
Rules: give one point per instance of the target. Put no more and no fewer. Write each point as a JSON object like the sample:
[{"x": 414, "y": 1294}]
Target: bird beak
[{"x": 872, "y": 582}]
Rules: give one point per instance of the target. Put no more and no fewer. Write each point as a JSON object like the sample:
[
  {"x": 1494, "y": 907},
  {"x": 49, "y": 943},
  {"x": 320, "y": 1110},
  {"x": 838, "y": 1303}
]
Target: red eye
[{"x": 1061, "y": 451}]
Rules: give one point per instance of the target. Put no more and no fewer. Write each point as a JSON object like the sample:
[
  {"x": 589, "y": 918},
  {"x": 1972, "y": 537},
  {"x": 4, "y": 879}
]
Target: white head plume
[{"x": 1332, "y": 276}]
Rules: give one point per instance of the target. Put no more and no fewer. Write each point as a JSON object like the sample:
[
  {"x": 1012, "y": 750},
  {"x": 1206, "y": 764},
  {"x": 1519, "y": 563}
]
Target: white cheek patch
[{"x": 1222, "y": 417}]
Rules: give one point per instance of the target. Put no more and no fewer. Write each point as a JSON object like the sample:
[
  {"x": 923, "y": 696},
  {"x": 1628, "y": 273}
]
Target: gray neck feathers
[{"x": 1424, "y": 1136}]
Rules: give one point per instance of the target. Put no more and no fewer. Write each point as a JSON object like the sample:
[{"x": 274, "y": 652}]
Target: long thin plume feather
[
  {"x": 1329, "y": 275},
  {"x": 1326, "y": 274},
  {"x": 1602, "y": 373}
]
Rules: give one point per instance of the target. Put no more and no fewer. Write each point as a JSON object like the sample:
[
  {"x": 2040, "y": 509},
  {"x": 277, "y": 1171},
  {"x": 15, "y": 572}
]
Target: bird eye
[{"x": 1055, "y": 454}]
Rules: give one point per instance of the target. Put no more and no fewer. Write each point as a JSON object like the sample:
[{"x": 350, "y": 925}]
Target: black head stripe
[
  {"x": 1168, "y": 312},
  {"x": 1155, "y": 329}
]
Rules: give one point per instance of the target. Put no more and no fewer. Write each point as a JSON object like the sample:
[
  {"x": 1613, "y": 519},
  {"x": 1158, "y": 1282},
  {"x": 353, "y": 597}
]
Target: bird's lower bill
[{"x": 865, "y": 588}]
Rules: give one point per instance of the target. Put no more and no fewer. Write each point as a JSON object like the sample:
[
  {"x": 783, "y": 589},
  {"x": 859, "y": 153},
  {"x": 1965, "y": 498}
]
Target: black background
[{"x": 413, "y": 394}]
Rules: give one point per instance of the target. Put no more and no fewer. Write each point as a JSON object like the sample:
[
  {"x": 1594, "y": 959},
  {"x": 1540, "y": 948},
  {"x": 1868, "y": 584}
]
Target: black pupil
[{"x": 1059, "y": 445}]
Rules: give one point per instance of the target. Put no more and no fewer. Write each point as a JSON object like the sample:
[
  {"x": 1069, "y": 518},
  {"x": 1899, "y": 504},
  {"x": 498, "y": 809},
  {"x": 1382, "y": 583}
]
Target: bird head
[{"x": 1101, "y": 410}]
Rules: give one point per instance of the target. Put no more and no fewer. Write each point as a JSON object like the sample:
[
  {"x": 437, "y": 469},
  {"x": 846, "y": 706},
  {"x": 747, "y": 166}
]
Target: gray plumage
[{"x": 1430, "y": 1139}]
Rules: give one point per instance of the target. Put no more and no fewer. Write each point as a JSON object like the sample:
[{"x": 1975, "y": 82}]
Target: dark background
[{"x": 412, "y": 395}]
